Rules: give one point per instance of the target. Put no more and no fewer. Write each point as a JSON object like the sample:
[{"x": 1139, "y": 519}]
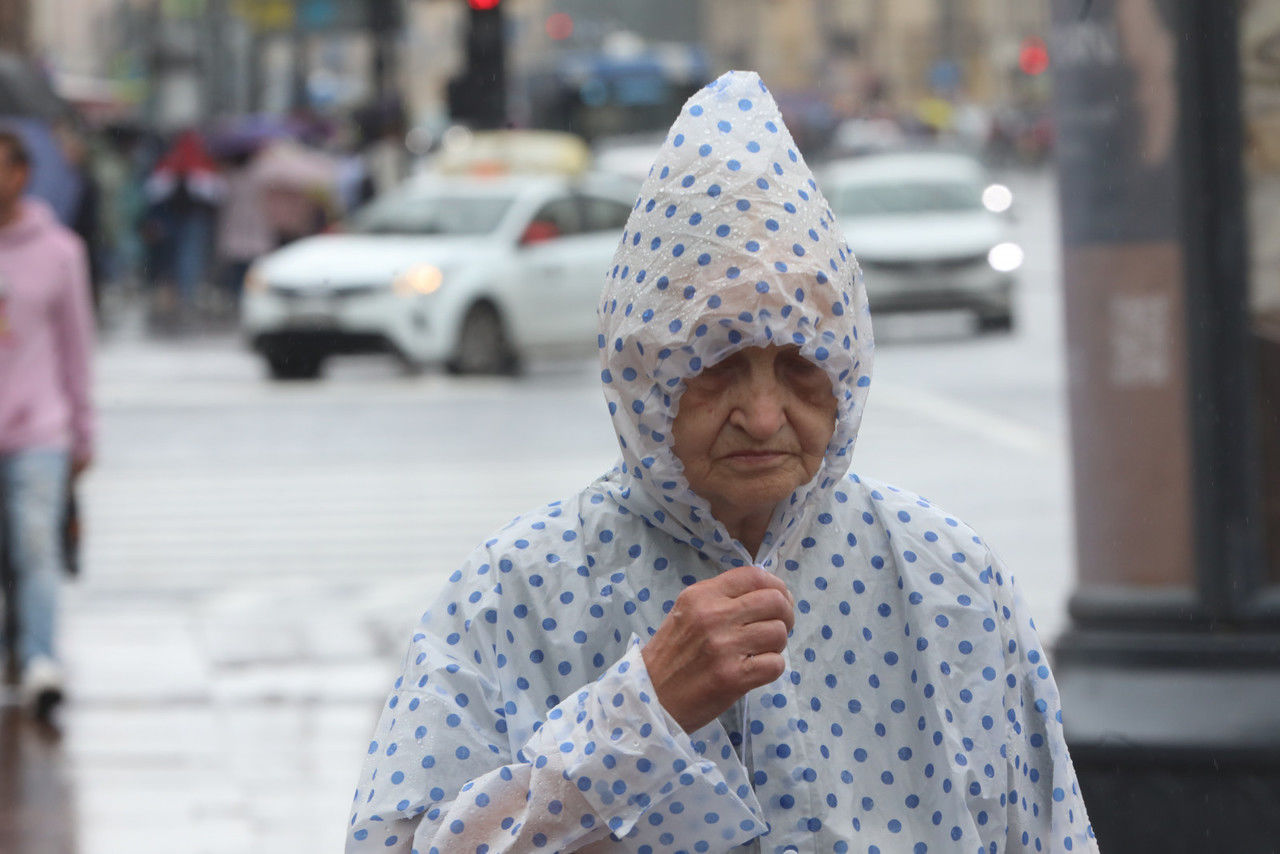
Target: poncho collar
[{"x": 730, "y": 245}]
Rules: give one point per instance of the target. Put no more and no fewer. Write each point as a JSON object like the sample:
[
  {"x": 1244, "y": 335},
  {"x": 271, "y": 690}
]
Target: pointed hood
[{"x": 730, "y": 245}]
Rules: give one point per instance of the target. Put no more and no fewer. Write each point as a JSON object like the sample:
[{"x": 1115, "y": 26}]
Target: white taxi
[{"x": 470, "y": 272}]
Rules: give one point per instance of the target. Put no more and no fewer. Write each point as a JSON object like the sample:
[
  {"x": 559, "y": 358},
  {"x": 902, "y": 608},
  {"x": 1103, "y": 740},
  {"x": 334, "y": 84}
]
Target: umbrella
[
  {"x": 289, "y": 165},
  {"x": 23, "y": 92},
  {"x": 298, "y": 186},
  {"x": 29, "y": 107},
  {"x": 52, "y": 176},
  {"x": 246, "y": 134}
]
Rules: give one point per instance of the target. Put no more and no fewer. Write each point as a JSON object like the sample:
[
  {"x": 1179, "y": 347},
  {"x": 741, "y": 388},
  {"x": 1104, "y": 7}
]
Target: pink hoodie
[{"x": 46, "y": 335}]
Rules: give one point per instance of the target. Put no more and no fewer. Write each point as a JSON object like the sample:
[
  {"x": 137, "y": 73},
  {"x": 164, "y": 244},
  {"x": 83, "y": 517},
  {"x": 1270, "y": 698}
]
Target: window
[
  {"x": 416, "y": 213},
  {"x": 563, "y": 214},
  {"x": 906, "y": 197},
  {"x": 604, "y": 214}
]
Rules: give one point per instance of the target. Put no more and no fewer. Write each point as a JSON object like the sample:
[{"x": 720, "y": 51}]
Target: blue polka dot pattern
[{"x": 916, "y": 712}]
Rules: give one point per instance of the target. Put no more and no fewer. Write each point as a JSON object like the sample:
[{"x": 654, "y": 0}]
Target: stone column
[{"x": 1170, "y": 670}]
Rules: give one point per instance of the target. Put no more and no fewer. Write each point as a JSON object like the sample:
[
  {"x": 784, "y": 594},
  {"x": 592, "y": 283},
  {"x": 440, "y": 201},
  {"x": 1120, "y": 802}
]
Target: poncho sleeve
[
  {"x": 1044, "y": 810},
  {"x": 444, "y": 774}
]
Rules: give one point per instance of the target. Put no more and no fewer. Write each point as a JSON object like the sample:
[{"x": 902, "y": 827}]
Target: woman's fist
[{"x": 723, "y": 637}]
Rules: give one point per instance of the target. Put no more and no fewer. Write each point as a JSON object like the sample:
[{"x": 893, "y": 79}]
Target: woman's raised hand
[{"x": 723, "y": 637}]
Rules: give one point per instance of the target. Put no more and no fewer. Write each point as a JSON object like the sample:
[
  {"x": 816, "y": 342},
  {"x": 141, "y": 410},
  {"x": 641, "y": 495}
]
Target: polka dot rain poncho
[{"x": 916, "y": 713}]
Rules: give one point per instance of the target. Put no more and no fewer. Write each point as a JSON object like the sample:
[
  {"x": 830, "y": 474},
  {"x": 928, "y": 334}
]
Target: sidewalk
[{"x": 35, "y": 788}]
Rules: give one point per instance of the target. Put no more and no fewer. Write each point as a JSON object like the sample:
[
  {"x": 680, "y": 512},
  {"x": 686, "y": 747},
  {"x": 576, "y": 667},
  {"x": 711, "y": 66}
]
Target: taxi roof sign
[{"x": 505, "y": 152}]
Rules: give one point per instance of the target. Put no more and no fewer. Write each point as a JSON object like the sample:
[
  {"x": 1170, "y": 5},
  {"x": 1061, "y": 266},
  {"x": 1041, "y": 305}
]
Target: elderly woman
[{"x": 728, "y": 641}]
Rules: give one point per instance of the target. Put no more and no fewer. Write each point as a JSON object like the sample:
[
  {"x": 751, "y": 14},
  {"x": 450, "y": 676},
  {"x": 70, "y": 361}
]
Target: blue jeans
[
  {"x": 192, "y": 233},
  {"x": 34, "y": 483}
]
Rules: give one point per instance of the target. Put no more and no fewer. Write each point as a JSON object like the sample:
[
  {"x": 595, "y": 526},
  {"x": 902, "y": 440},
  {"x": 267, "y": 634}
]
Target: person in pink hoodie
[{"x": 46, "y": 418}]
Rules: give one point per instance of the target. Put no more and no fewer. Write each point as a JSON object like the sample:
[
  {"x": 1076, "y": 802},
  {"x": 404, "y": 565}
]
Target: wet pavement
[
  {"x": 256, "y": 553},
  {"x": 35, "y": 788}
]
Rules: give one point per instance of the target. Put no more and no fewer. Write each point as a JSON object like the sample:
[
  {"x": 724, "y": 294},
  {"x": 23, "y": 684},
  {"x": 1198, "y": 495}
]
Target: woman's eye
[
  {"x": 806, "y": 375},
  {"x": 801, "y": 367},
  {"x": 709, "y": 381},
  {"x": 724, "y": 368}
]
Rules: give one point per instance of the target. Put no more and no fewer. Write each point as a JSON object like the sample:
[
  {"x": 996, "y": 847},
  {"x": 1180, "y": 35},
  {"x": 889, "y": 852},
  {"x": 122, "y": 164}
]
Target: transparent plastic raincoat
[{"x": 917, "y": 712}]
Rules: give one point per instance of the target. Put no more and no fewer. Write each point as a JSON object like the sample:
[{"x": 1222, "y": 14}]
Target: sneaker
[{"x": 41, "y": 689}]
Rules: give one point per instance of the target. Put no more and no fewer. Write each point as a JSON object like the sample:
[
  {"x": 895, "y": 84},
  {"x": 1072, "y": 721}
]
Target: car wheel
[
  {"x": 410, "y": 368},
  {"x": 294, "y": 366},
  {"x": 995, "y": 323},
  {"x": 482, "y": 346}
]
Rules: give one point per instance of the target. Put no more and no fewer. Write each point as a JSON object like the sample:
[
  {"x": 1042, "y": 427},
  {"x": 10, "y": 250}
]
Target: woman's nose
[{"x": 760, "y": 408}]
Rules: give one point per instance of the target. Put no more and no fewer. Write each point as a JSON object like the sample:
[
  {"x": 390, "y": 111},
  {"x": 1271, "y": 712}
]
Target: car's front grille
[
  {"x": 336, "y": 292},
  {"x": 931, "y": 266},
  {"x": 346, "y": 291}
]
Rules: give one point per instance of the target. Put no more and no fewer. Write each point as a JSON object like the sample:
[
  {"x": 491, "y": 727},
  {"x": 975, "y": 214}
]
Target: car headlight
[
  {"x": 1005, "y": 257},
  {"x": 421, "y": 279},
  {"x": 997, "y": 198}
]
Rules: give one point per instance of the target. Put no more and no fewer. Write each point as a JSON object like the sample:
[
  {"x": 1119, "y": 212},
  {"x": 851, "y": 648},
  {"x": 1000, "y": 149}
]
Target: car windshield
[
  {"x": 906, "y": 197},
  {"x": 410, "y": 212}
]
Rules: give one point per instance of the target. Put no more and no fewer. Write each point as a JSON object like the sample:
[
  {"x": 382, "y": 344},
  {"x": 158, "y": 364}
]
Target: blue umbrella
[
  {"x": 52, "y": 176},
  {"x": 246, "y": 134},
  {"x": 30, "y": 107}
]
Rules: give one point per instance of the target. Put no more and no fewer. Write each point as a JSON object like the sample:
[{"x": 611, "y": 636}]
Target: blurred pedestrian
[
  {"x": 186, "y": 188},
  {"x": 298, "y": 187},
  {"x": 386, "y": 156},
  {"x": 122, "y": 205},
  {"x": 244, "y": 231},
  {"x": 85, "y": 217},
  {"x": 354, "y": 183},
  {"x": 729, "y": 641},
  {"x": 46, "y": 418}
]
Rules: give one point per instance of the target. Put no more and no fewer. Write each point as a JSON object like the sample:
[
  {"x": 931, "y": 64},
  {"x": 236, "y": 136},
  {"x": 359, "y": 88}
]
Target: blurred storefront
[
  {"x": 898, "y": 51},
  {"x": 1168, "y": 112},
  {"x": 170, "y": 63}
]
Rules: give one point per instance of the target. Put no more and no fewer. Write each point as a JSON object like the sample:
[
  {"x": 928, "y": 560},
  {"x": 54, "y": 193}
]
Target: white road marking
[{"x": 957, "y": 414}]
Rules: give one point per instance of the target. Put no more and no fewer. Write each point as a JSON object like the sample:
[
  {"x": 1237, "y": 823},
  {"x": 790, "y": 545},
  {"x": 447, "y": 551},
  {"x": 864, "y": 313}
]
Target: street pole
[
  {"x": 384, "y": 18},
  {"x": 216, "y": 59},
  {"x": 298, "y": 96},
  {"x": 478, "y": 96},
  {"x": 154, "y": 63},
  {"x": 948, "y": 20}
]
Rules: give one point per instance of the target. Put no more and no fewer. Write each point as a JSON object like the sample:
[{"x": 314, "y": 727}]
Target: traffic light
[
  {"x": 478, "y": 96},
  {"x": 1033, "y": 56}
]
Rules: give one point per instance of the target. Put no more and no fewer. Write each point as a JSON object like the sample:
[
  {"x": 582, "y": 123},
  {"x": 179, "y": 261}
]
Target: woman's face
[{"x": 751, "y": 429}]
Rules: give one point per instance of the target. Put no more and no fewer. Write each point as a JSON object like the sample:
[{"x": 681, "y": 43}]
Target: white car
[
  {"x": 469, "y": 272},
  {"x": 930, "y": 230}
]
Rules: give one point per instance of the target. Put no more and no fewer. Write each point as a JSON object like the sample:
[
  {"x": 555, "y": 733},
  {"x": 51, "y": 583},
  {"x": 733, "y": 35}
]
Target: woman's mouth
[{"x": 756, "y": 458}]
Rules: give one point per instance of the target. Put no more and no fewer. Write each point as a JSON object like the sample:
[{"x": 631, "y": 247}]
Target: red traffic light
[
  {"x": 559, "y": 26},
  {"x": 483, "y": 5},
  {"x": 1033, "y": 56}
]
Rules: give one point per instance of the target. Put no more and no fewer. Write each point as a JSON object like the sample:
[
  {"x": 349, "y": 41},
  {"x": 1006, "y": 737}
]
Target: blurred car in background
[
  {"x": 931, "y": 231},
  {"x": 630, "y": 155},
  {"x": 471, "y": 271},
  {"x": 870, "y": 135}
]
